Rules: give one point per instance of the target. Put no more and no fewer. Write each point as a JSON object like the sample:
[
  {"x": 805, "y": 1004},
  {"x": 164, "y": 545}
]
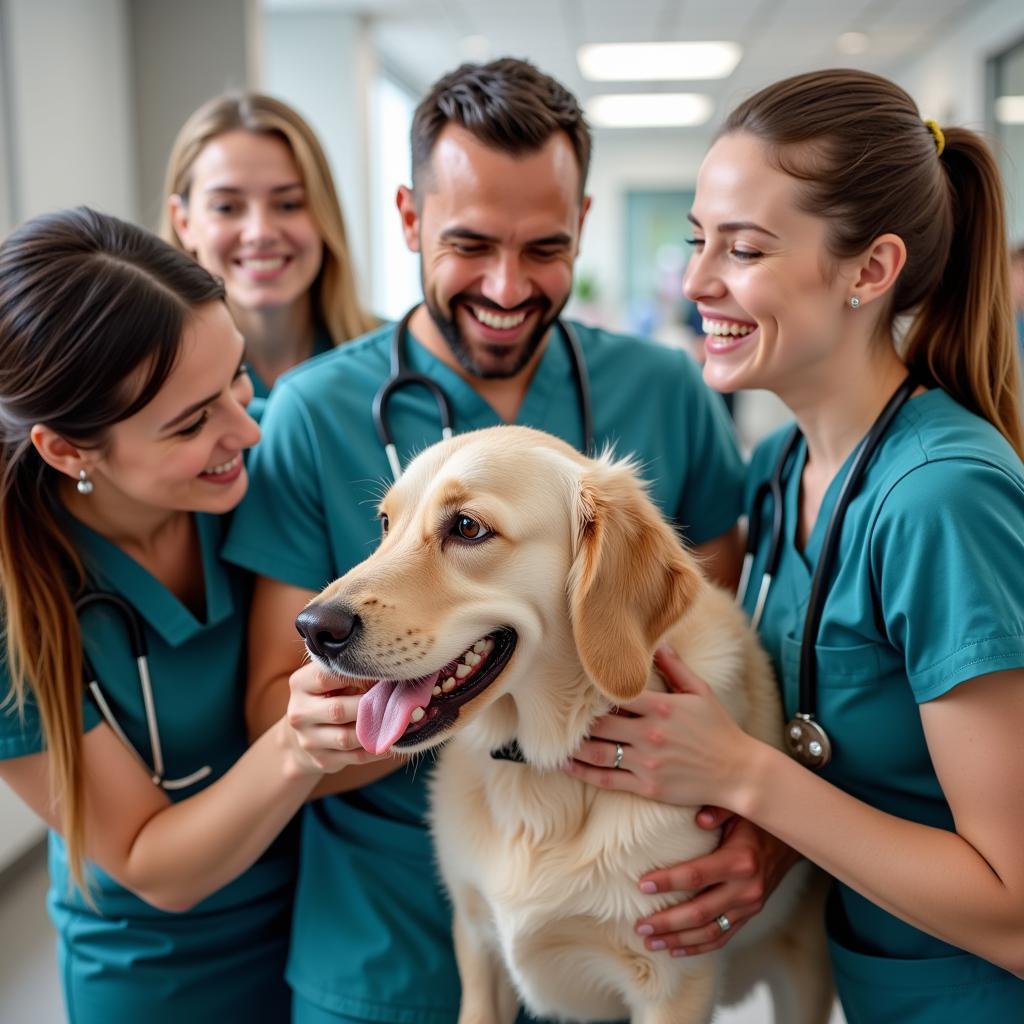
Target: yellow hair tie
[{"x": 937, "y": 135}]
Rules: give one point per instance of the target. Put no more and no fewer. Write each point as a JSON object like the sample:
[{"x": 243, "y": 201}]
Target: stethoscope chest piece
[{"x": 807, "y": 742}]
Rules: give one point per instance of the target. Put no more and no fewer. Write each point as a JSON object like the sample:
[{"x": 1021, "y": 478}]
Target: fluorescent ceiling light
[
  {"x": 649, "y": 110},
  {"x": 648, "y": 62},
  {"x": 853, "y": 43},
  {"x": 1010, "y": 109}
]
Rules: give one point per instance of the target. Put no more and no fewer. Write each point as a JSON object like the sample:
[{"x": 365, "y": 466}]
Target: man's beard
[{"x": 452, "y": 334}]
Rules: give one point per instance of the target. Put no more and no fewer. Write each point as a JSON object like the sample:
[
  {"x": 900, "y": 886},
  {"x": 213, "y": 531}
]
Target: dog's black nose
[{"x": 327, "y": 628}]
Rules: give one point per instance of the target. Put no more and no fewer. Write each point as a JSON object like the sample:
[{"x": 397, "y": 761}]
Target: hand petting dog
[{"x": 735, "y": 879}]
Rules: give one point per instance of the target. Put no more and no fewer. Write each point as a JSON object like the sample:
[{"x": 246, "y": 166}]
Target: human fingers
[
  {"x": 698, "y": 922},
  {"x": 330, "y": 761},
  {"x": 629, "y": 725},
  {"x": 312, "y": 679},
  {"x": 603, "y": 764},
  {"x": 308, "y": 710},
  {"x": 676, "y": 673},
  {"x": 686, "y": 930},
  {"x": 714, "y": 817}
]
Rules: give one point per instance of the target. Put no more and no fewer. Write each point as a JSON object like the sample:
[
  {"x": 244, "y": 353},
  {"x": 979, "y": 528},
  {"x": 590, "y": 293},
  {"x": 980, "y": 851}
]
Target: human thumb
[{"x": 676, "y": 673}]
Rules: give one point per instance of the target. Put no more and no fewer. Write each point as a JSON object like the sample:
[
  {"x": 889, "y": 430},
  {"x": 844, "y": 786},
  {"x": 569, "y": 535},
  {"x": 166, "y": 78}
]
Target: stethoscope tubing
[
  {"x": 401, "y": 376},
  {"x": 821, "y": 583},
  {"x": 137, "y": 644}
]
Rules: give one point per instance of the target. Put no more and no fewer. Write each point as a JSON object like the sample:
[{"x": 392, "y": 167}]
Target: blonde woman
[{"x": 249, "y": 195}]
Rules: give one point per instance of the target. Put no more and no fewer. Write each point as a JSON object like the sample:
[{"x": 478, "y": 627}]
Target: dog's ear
[{"x": 630, "y": 579}]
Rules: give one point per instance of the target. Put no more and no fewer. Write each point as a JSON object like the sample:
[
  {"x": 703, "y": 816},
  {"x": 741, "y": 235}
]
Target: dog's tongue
[{"x": 385, "y": 709}]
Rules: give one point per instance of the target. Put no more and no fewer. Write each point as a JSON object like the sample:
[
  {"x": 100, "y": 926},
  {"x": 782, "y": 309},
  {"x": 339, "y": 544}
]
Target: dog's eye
[
  {"x": 384, "y": 524},
  {"x": 469, "y": 528}
]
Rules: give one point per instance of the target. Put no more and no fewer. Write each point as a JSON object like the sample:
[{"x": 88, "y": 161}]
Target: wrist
[{"x": 752, "y": 772}]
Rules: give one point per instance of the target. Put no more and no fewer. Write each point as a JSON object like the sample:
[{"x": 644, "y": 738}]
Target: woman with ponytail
[
  {"x": 122, "y": 432},
  {"x": 850, "y": 256}
]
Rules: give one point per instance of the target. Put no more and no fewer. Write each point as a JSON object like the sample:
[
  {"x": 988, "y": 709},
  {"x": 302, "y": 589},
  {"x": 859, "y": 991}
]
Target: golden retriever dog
[{"x": 518, "y": 593}]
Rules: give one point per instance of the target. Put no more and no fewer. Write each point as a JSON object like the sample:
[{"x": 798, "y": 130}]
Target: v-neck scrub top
[
  {"x": 124, "y": 960},
  {"x": 372, "y": 933},
  {"x": 928, "y": 593}
]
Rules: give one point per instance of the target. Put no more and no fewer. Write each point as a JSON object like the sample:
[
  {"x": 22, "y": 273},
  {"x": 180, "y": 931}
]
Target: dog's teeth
[
  {"x": 448, "y": 685},
  {"x": 480, "y": 646},
  {"x": 436, "y": 691},
  {"x": 461, "y": 671},
  {"x": 488, "y": 646},
  {"x": 417, "y": 714},
  {"x": 472, "y": 659}
]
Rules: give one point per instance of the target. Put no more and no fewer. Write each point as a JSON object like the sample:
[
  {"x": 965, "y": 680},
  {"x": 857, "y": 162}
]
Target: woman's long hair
[
  {"x": 335, "y": 299},
  {"x": 92, "y": 312},
  {"x": 869, "y": 165}
]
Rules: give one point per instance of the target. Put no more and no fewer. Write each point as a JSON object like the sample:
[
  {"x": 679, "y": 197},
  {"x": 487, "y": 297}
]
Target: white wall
[
  {"x": 949, "y": 81},
  {"x": 621, "y": 161},
  {"x": 183, "y": 53},
  {"x": 322, "y": 63},
  {"x": 70, "y": 105}
]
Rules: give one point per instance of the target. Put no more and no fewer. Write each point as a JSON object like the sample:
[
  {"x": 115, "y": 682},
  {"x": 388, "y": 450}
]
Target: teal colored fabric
[
  {"x": 261, "y": 391},
  {"x": 372, "y": 933},
  {"x": 928, "y": 593},
  {"x": 124, "y": 960}
]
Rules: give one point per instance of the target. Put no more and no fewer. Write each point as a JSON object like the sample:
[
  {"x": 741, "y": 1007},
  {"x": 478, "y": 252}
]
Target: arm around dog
[{"x": 708, "y": 756}]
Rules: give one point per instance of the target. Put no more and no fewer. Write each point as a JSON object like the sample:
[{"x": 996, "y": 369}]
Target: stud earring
[
  {"x": 854, "y": 302},
  {"x": 84, "y": 484}
]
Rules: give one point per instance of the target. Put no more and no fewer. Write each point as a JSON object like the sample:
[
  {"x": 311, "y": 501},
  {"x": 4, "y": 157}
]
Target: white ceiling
[{"x": 421, "y": 39}]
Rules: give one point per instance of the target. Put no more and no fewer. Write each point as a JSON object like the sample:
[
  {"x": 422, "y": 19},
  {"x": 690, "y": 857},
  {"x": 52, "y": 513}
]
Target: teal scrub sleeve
[
  {"x": 21, "y": 730},
  {"x": 280, "y": 529},
  {"x": 947, "y": 553},
  {"x": 712, "y": 498}
]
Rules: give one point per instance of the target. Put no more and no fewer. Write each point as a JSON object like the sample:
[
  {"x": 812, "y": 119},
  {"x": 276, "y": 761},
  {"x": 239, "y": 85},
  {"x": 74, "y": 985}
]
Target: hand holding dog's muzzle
[{"x": 322, "y": 719}]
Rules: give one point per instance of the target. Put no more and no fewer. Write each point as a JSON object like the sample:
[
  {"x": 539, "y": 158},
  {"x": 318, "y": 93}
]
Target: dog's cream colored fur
[{"x": 542, "y": 869}]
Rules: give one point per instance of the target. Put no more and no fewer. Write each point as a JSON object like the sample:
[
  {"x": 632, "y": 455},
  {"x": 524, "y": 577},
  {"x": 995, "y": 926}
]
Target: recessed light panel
[
  {"x": 650, "y": 62},
  {"x": 649, "y": 110}
]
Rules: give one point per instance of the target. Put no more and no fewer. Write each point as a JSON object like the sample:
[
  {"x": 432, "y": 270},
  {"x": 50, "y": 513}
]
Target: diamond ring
[
  {"x": 618, "y": 756},
  {"x": 723, "y": 922}
]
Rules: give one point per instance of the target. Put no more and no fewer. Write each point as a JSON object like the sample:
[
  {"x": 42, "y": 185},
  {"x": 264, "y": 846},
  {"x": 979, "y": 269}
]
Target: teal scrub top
[
  {"x": 372, "y": 930},
  {"x": 260, "y": 390},
  {"x": 123, "y": 959},
  {"x": 928, "y": 593}
]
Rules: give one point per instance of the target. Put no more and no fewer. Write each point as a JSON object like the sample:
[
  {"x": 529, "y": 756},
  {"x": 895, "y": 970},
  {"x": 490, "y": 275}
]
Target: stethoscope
[
  {"x": 401, "y": 377},
  {"x": 805, "y": 738},
  {"x": 137, "y": 643}
]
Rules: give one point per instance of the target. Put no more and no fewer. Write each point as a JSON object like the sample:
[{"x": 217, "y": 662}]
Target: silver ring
[
  {"x": 618, "y": 756},
  {"x": 723, "y": 922}
]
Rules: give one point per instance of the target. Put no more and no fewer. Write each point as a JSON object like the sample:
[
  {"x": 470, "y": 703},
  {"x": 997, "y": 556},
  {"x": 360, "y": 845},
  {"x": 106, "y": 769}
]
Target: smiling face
[
  {"x": 498, "y": 235},
  {"x": 183, "y": 450},
  {"x": 246, "y": 219},
  {"x": 772, "y": 299}
]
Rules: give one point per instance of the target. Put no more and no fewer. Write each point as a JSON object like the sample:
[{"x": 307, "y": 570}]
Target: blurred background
[{"x": 92, "y": 93}]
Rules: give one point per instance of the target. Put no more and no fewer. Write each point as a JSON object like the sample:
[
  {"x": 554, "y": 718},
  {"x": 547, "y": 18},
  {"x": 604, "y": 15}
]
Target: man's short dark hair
[{"x": 507, "y": 104}]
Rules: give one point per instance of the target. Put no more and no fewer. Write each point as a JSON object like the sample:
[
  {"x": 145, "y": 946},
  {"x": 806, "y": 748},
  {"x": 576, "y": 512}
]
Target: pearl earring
[
  {"x": 84, "y": 484},
  {"x": 854, "y": 302}
]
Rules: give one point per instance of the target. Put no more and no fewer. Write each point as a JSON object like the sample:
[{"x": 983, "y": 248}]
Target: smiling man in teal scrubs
[{"x": 500, "y": 156}]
